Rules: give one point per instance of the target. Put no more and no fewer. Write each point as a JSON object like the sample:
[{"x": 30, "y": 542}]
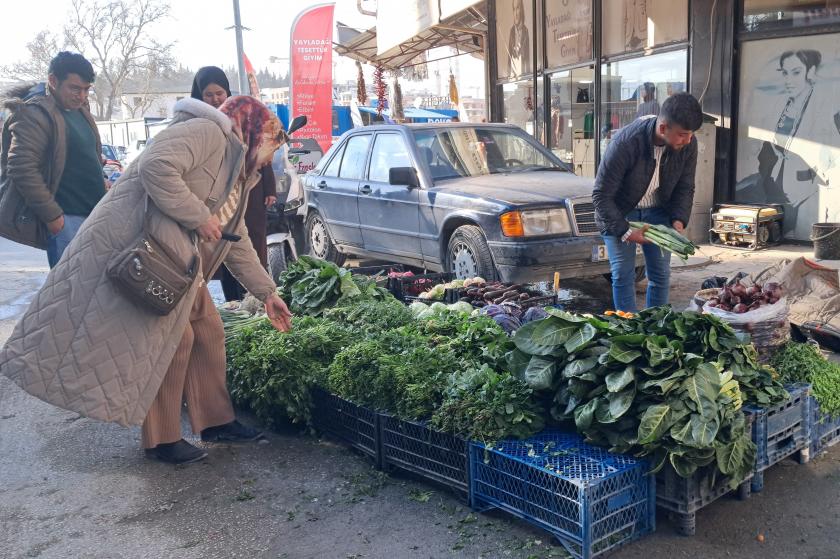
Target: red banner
[
  {"x": 253, "y": 86},
  {"x": 311, "y": 69}
]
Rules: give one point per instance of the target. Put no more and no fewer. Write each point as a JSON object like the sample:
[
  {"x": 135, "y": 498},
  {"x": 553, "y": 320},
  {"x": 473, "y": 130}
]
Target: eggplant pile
[
  {"x": 494, "y": 293},
  {"x": 740, "y": 299}
]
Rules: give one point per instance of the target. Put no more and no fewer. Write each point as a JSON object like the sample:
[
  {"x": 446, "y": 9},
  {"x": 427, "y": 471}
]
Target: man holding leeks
[{"x": 647, "y": 177}]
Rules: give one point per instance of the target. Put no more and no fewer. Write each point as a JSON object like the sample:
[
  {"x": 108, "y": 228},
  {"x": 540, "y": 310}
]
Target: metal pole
[{"x": 240, "y": 56}]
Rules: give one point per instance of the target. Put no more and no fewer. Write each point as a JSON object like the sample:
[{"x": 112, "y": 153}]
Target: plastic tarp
[{"x": 813, "y": 294}]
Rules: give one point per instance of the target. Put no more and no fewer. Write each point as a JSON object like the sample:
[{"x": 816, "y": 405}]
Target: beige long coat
[{"x": 83, "y": 347}]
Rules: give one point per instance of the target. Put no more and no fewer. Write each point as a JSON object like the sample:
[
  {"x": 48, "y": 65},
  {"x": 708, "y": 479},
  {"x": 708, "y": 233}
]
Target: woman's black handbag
[{"x": 151, "y": 276}]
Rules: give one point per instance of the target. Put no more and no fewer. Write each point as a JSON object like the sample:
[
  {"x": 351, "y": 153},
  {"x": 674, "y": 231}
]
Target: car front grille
[{"x": 584, "y": 213}]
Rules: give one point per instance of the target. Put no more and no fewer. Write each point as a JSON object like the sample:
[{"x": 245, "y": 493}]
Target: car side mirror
[
  {"x": 404, "y": 176},
  {"x": 296, "y": 124}
]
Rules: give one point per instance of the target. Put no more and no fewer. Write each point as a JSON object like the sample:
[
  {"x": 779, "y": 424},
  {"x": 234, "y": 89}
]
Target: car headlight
[{"x": 536, "y": 223}]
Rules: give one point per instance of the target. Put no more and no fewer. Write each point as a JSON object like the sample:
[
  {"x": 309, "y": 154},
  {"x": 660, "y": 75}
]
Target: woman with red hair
[{"x": 84, "y": 347}]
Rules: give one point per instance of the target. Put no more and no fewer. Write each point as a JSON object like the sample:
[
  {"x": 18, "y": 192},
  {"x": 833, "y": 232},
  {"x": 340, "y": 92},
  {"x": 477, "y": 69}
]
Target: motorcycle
[{"x": 286, "y": 217}]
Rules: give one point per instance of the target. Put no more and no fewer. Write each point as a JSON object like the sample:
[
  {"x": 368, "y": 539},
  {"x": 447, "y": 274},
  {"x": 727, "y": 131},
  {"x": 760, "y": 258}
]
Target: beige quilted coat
[{"x": 83, "y": 347}]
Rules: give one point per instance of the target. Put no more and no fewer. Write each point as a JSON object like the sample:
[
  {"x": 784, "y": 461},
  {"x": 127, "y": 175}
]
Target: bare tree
[
  {"x": 115, "y": 36},
  {"x": 41, "y": 49}
]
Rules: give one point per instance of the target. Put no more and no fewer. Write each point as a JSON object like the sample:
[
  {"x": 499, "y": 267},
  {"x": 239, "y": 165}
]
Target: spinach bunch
[
  {"x": 486, "y": 405},
  {"x": 665, "y": 385},
  {"x": 310, "y": 285}
]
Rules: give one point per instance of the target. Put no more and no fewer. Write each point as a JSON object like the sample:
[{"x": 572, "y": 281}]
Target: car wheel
[
  {"x": 468, "y": 255},
  {"x": 278, "y": 260},
  {"x": 318, "y": 241},
  {"x": 640, "y": 275}
]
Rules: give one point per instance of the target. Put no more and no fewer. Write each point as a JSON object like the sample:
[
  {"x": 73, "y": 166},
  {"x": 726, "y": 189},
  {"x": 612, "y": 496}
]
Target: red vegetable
[
  {"x": 734, "y": 300},
  {"x": 740, "y": 308}
]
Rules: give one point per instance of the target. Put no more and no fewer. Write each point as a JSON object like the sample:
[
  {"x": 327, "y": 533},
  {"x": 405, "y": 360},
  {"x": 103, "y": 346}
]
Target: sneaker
[
  {"x": 233, "y": 432},
  {"x": 180, "y": 452}
]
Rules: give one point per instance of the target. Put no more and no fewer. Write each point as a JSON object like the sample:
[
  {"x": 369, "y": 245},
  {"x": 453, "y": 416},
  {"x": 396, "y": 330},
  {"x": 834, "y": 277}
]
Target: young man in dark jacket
[
  {"x": 647, "y": 175},
  {"x": 51, "y": 161}
]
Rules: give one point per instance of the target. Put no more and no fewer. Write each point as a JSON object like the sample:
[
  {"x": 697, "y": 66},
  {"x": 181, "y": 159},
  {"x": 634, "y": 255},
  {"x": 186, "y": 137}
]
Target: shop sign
[{"x": 311, "y": 62}]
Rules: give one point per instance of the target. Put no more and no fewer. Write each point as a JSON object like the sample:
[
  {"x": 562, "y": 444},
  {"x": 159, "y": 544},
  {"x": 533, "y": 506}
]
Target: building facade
[{"x": 573, "y": 72}]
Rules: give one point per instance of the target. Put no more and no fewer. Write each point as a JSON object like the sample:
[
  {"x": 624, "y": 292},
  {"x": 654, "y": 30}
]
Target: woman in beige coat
[{"x": 84, "y": 347}]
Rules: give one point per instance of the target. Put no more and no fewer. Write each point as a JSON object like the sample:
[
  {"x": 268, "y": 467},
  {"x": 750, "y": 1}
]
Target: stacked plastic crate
[
  {"x": 781, "y": 431},
  {"x": 591, "y": 500}
]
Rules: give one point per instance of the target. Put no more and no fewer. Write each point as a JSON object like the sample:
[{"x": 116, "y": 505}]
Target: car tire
[
  {"x": 468, "y": 255},
  {"x": 640, "y": 275},
  {"x": 278, "y": 259},
  {"x": 318, "y": 241}
]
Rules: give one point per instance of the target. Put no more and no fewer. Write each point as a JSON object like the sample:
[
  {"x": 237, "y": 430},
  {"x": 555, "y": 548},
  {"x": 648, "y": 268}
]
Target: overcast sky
[{"x": 198, "y": 29}]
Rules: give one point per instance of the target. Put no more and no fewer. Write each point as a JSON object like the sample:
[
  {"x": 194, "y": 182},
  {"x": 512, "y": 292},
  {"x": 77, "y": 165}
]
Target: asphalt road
[{"x": 75, "y": 488}]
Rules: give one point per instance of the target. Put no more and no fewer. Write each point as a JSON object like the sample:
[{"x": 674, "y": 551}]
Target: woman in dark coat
[{"x": 211, "y": 86}]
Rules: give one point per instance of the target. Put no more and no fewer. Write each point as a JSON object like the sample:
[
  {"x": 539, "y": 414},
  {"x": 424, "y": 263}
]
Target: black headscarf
[{"x": 204, "y": 77}]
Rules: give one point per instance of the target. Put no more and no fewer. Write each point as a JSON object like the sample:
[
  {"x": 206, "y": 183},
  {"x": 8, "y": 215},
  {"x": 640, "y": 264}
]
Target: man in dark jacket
[
  {"x": 51, "y": 160},
  {"x": 647, "y": 175}
]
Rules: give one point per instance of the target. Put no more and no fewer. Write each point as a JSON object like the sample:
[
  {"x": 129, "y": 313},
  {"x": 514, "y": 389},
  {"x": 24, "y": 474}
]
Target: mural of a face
[{"x": 796, "y": 75}]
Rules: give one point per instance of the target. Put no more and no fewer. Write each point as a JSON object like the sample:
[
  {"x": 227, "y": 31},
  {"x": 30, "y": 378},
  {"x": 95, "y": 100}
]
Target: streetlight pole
[{"x": 240, "y": 56}]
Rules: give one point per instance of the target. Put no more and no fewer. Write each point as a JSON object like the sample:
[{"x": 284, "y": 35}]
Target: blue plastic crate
[
  {"x": 354, "y": 425},
  {"x": 781, "y": 431},
  {"x": 436, "y": 456},
  {"x": 683, "y": 497},
  {"x": 591, "y": 500},
  {"x": 825, "y": 430}
]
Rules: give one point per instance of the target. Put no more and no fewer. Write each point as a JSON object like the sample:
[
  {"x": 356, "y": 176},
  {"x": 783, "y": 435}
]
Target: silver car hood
[{"x": 516, "y": 189}]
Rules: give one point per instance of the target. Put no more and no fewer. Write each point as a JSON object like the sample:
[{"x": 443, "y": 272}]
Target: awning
[{"x": 464, "y": 31}]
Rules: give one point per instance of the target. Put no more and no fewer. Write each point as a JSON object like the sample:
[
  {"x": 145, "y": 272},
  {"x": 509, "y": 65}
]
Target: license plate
[{"x": 599, "y": 252}]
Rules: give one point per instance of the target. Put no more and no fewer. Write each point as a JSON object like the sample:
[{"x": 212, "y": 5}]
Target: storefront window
[
  {"x": 571, "y": 122},
  {"x": 519, "y": 103},
  {"x": 515, "y": 38},
  {"x": 633, "y": 25},
  {"x": 568, "y": 28},
  {"x": 637, "y": 87},
  {"x": 768, "y": 15}
]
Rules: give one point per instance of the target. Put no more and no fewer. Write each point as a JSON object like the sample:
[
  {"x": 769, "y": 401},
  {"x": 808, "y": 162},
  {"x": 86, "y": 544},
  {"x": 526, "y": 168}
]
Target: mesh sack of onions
[{"x": 761, "y": 311}]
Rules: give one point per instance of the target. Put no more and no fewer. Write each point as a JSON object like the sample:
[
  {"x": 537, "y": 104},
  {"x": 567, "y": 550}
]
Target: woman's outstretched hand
[{"x": 278, "y": 313}]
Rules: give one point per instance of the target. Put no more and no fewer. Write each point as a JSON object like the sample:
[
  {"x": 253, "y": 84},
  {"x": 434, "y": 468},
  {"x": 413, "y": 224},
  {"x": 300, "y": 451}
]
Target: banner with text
[{"x": 311, "y": 61}]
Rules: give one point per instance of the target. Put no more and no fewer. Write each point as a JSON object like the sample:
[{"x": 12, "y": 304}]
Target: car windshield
[{"x": 467, "y": 151}]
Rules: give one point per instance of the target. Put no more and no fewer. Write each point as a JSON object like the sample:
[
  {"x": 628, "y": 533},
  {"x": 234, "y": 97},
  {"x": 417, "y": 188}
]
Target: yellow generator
[{"x": 746, "y": 226}]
